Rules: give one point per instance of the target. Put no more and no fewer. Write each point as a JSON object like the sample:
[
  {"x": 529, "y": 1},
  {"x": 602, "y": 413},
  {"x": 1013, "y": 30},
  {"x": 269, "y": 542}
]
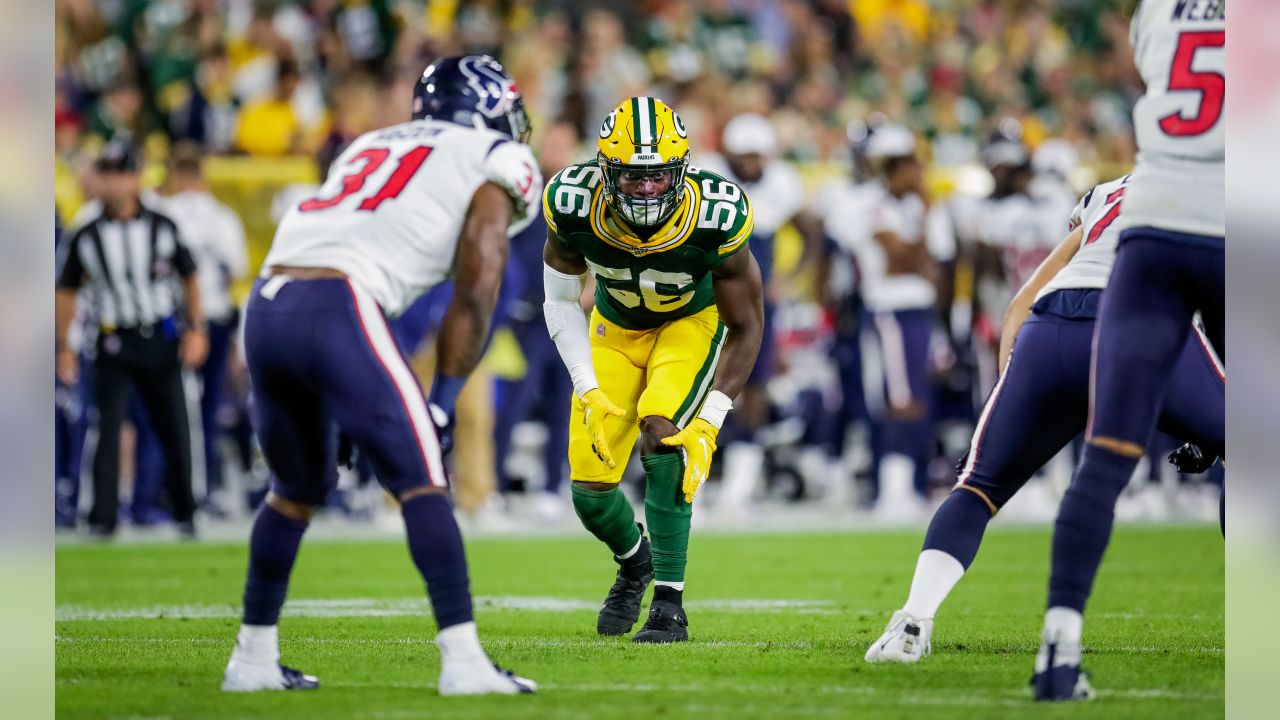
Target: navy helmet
[{"x": 472, "y": 90}]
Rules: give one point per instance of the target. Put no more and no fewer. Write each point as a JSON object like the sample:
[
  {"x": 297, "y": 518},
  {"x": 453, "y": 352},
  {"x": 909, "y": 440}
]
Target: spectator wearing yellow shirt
[
  {"x": 270, "y": 127},
  {"x": 876, "y": 17}
]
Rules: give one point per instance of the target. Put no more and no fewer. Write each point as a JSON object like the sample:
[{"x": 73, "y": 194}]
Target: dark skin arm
[
  {"x": 194, "y": 346},
  {"x": 478, "y": 268},
  {"x": 740, "y": 300},
  {"x": 561, "y": 257},
  {"x": 904, "y": 257}
]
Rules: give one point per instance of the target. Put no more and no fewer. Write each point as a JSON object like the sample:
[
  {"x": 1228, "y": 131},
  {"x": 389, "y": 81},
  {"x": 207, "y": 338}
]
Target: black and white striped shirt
[{"x": 132, "y": 267}]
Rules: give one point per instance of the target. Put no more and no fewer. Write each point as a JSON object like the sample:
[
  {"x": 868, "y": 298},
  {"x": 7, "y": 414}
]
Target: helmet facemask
[
  {"x": 644, "y": 195},
  {"x": 518, "y": 120}
]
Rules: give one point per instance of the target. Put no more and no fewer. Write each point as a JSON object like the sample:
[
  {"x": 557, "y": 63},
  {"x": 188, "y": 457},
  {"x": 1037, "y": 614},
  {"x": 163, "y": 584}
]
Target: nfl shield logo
[{"x": 600, "y": 330}]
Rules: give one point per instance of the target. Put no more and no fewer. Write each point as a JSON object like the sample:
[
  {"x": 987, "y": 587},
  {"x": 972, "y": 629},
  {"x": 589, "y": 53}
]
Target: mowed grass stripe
[{"x": 401, "y": 607}]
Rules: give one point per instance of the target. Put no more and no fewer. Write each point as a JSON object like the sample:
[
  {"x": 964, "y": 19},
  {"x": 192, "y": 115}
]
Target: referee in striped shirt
[{"x": 130, "y": 264}]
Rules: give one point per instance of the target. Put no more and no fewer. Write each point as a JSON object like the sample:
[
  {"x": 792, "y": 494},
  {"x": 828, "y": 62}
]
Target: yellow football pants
[{"x": 665, "y": 371}]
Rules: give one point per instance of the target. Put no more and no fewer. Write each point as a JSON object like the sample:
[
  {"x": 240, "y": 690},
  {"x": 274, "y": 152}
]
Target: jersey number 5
[
  {"x": 1212, "y": 86},
  {"x": 371, "y": 160}
]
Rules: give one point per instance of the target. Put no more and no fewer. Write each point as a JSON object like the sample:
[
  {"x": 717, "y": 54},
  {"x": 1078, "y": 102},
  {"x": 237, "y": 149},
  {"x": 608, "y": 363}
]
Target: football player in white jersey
[
  {"x": 750, "y": 146},
  {"x": 898, "y": 268},
  {"x": 842, "y": 208},
  {"x": 1023, "y": 225},
  {"x": 1038, "y": 406},
  {"x": 402, "y": 209},
  {"x": 1169, "y": 265}
]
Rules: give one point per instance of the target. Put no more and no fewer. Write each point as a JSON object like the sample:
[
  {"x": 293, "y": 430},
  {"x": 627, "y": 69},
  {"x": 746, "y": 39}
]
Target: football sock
[
  {"x": 608, "y": 516},
  {"x": 436, "y": 547},
  {"x": 936, "y": 574},
  {"x": 958, "y": 525},
  {"x": 1084, "y": 523},
  {"x": 258, "y": 643},
  {"x": 667, "y": 514},
  {"x": 667, "y": 593},
  {"x": 460, "y": 643},
  {"x": 273, "y": 546},
  {"x": 1062, "y": 627}
]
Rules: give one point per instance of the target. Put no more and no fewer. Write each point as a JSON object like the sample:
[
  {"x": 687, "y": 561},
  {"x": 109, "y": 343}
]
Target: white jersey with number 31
[
  {"x": 1179, "y": 180},
  {"x": 390, "y": 212}
]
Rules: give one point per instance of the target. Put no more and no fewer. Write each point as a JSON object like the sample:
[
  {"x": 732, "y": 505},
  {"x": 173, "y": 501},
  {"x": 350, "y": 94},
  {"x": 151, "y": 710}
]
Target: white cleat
[
  {"x": 905, "y": 640},
  {"x": 244, "y": 676},
  {"x": 482, "y": 678}
]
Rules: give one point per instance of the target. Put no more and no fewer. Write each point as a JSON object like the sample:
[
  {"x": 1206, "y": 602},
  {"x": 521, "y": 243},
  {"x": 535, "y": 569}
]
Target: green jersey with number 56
[{"x": 642, "y": 283}]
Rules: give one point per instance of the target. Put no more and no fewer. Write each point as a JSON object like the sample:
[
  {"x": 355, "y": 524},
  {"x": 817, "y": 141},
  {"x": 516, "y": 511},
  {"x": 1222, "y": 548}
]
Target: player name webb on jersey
[{"x": 645, "y": 279}]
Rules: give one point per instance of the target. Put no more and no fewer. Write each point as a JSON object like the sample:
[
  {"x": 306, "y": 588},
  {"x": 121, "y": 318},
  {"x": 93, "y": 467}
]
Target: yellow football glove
[
  {"x": 596, "y": 406},
  {"x": 698, "y": 439}
]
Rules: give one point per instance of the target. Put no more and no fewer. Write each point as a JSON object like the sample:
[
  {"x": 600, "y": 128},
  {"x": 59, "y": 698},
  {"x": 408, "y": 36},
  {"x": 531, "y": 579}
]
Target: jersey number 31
[{"x": 371, "y": 160}]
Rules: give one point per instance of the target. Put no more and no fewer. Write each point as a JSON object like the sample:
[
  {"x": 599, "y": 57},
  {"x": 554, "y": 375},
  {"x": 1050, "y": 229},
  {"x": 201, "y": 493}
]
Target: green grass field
[{"x": 779, "y": 624}]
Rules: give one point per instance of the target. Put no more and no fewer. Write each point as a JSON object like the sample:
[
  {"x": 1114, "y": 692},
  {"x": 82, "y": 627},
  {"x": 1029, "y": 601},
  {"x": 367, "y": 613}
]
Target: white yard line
[
  {"x": 492, "y": 642},
  {"x": 415, "y": 606}
]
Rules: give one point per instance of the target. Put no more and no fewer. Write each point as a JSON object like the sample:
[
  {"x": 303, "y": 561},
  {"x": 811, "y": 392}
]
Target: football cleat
[
  {"x": 666, "y": 624},
  {"x": 1056, "y": 682},
  {"x": 243, "y": 676},
  {"x": 905, "y": 640},
  {"x": 481, "y": 678},
  {"x": 621, "y": 607}
]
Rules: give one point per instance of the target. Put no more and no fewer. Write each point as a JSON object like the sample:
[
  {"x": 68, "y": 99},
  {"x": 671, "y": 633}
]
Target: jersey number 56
[{"x": 657, "y": 290}]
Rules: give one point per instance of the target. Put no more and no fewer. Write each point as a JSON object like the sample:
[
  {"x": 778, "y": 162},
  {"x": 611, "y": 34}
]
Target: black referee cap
[{"x": 119, "y": 155}]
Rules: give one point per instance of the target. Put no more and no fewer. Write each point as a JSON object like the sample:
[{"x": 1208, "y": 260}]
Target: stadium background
[
  {"x": 949, "y": 70},
  {"x": 781, "y": 619},
  {"x": 273, "y": 89}
]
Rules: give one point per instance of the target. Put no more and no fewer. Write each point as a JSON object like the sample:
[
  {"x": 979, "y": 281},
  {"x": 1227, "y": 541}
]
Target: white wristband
[{"x": 715, "y": 408}]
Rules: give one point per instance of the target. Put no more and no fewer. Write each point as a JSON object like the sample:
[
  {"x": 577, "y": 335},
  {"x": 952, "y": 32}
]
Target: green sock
[
  {"x": 608, "y": 516},
  {"x": 667, "y": 515}
]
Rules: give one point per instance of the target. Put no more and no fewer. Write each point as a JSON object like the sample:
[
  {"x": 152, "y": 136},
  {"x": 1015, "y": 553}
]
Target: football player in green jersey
[{"x": 675, "y": 331}]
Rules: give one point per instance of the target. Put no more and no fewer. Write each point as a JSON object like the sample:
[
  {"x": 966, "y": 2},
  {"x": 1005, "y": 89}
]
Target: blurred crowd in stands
[
  {"x": 1007, "y": 110},
  {"x": 276, "y": 77}
]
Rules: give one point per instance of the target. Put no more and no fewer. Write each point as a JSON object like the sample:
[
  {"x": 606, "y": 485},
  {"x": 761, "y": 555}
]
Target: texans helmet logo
[{"x": 497, "y": 91}]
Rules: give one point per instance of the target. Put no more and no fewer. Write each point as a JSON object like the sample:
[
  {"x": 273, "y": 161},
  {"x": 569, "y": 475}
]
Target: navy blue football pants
[
  {"x": 320, "y": 352},
  {"x": 1041, "y": 402},
  {"x": 1159, "y": 281}
]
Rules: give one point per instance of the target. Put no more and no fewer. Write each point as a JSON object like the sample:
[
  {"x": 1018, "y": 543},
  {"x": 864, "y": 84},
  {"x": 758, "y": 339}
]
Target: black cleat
[
  {"x": 621, "y": 607},
  {"x": 298, "y": 680},
  {"x": 666, "y": 624}
]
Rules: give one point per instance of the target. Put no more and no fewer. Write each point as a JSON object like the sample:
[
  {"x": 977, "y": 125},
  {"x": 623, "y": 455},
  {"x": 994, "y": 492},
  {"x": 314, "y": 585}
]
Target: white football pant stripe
[{"x": 384, "y": 347}]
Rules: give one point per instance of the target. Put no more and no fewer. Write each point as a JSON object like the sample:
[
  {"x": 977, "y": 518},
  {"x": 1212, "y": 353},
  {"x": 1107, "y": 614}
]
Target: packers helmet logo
[
  {"x": 679, "y": 125},
  {"x": 610, "y": 122}
]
